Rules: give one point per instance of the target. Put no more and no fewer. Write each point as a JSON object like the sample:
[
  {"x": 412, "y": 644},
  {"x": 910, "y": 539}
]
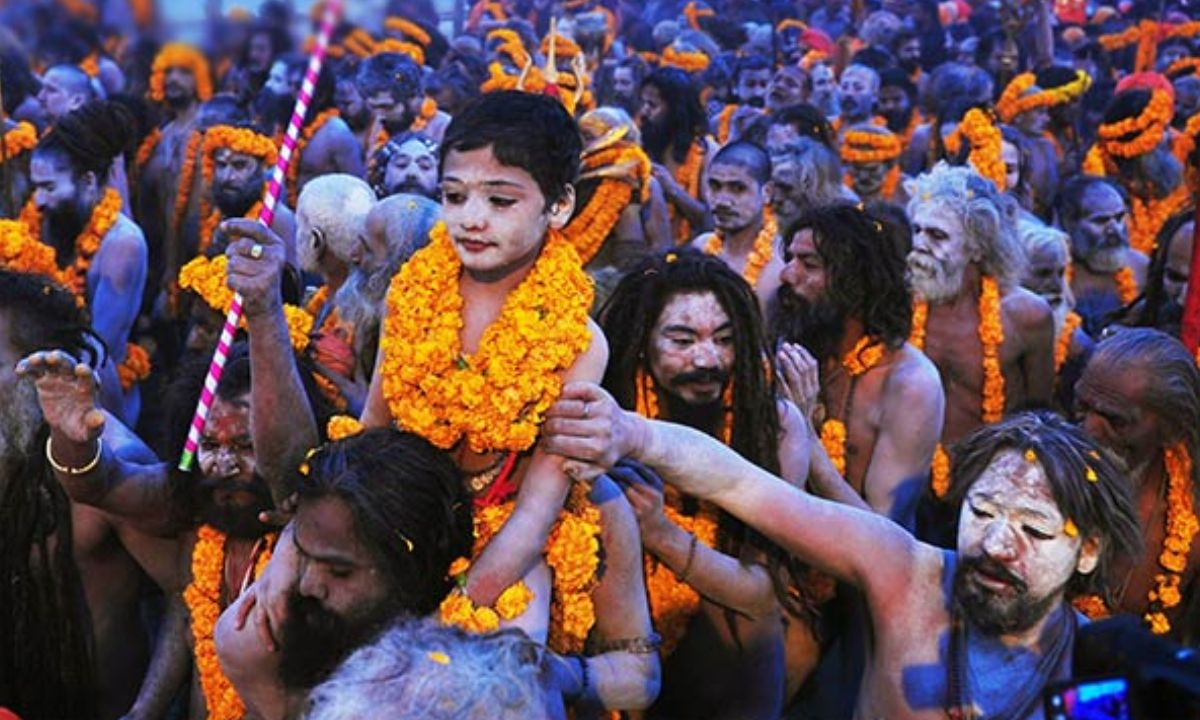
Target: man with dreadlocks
[
  {"x": 74, "y": 644},
  {"x": 101, "y": 252},
  {"x": 991, "y": 340},
  {"x": 1140, "y": 397},
  {"x": 1044, "y": 516},
  {"x": 392, "y": 87},
  {"x": 692, "y": 349}
]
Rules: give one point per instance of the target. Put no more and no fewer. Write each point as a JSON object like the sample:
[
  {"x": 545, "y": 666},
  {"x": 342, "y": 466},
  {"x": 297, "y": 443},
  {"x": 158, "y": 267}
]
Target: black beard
[
  {"x": 412, "y": 188},
  {"x": 705, "y": 418},
  {"x": 897, "y": 120},
  {"x": 993, "y": 613},
  {"x": 238, "y": 522},
  {"x": 819, "y": 326},
  {"x": 63, "y": 225},
  {"x": 315, "y": 641},
  {"x": 656, "y": 137},
  {"x": 398, "y": 128},
  {"x": 236, "y": 202}
]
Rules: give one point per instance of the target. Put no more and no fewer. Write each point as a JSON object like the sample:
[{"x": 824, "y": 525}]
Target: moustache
[
  {"x": 699, "y": 377},
  {"x": 991, "y": 568}
]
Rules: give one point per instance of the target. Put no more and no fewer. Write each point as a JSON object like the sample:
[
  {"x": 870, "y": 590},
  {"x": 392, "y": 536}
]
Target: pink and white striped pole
[{"x": 275, "y": 186}]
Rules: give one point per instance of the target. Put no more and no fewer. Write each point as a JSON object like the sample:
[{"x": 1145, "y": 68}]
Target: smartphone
[{"x": 1102, "y": 698}]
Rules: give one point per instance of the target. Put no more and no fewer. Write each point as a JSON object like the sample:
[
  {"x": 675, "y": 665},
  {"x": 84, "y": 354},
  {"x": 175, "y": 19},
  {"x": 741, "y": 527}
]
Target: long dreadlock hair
[
  {"x": 46, "y": 668},
  {"x": 627, "y": 319}
]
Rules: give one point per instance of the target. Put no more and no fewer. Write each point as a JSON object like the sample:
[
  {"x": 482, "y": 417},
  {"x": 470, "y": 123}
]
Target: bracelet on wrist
[{"x": 70, "y": 470}]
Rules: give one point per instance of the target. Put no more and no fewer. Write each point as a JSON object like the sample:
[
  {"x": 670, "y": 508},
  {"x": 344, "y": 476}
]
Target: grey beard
[
  {"x": 360, "y": 299},
  {"x": 1105, "y": 261}
]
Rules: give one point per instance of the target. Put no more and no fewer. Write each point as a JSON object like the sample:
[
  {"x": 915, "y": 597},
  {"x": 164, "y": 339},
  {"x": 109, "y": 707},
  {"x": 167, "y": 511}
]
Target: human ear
[
  {"x": 1089, "y": 556},
  {"x": 562, "y": 208}
]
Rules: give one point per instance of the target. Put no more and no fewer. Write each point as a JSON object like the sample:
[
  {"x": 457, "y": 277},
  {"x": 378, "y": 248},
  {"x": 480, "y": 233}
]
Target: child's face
[{"x": 496, "y": 214}]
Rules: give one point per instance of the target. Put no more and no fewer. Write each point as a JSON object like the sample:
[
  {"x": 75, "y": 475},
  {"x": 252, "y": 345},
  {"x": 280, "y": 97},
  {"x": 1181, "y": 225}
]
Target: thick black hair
[
  {"x": 685, "y": 115},
  {"x": 17, "y": 78},
  {"x": 895, "y": 77},
  {"x": 749, "y": 63},
  {"x": 409, "y": 507},
  {"x": 746, "y": 154},
  {"x": 89, "y": 138},
  {"x": 1099, "y": 508},
  {"x": 864, "y": 268},
  {"x": 808, "y": 122},
  {"x": 390, "y": 72},
  {"x": 527, "y": 131}
]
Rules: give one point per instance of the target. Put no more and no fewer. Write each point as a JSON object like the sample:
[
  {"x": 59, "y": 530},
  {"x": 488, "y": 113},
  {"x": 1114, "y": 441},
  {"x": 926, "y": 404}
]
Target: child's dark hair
[{"x": 531, "y": 132}]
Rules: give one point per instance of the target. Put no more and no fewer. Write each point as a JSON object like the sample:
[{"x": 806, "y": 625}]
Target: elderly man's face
[
  {"x": 940, "y": 253},
  {"x": 413, "y": 168},
  {"x": 1100, "y": 240}
]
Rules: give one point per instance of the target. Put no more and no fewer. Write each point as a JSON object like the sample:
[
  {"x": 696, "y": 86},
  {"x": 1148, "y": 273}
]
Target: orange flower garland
[
  {"x": 22, "y": 252},
  {"x": 1127, "y": 287},
  {"x": 187, "y": 175},
  {"x": 760, "y": 253},
  {"x": 306, "y": 135},
  {"x": 91, "y": 65},
  {"x": 573, "y": 555},
  {"x": 863, "y": 147},
  {"x": 991, "y": 336},
  {"x": 497, "y": 397},
  {"x": 1146, "y": 219},
  {"x": 135, "y": 368},
  {"x": 428, "y": 112},
  {"x": 146, "y": 148},
  {"x": 1181, "y": 528},
  {"x": 985, "y": 139},
  {"x": 203, "y": 598},
  {"x": 87, "y": 244},
  {"x": 1146, "y": 128},
  {"x": 1062, "y": 344},
  {"x": 1016, "y": 98},
  {"x": 209, "y": 223},
  {"x": 20, "y": 138},
  {"x": 180, "y": 55},
  {"x": 408, "y": 29},
  {"x": 590, "y": 228},
  {"x": 688, "y": 61},
  {"x": 864, "y": 356},
  {"x": 688, "y": 176},
  {"x": 724, "y": 120},
  {"x": 392, "y": 45},
  {"x": 341, "y": 427}
]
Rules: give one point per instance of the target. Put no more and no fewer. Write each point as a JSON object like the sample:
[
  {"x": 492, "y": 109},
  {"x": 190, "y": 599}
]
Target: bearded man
[
  {"x": 1139, "y": 396},
  {"x": 738, "y": 187},
  {"x": 1049, "y": 253},
  {"x": 1106, "y": 272},
  {"x": 411, "y": 167},
  {"x": 351, "y": 105},
  {"x": 180, "y": 81},
  {"x": 391, "y": 85},
  {"x": 1065, "y": 128},
  {"x": 787, "y": 88},
  {"x": 17, "y": 137},
  {"x": 871, "y": 155},
  {"x": 992, "y": 340},
  {"x": 858, "y": 94},
  {"x": 75, "y": 645},
  {"x": 751, "y": 81},
  {"x": 673, "y": 128},
  {"x": 692, "y": 343},
  {"x": 101, "y": 252},
  {"x": 898, "y": 103},
  {"x": 805, "y": 174},
  {"x": 1033, "y": 534}
]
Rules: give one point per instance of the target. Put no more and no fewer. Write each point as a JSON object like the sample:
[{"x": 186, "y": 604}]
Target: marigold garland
[
  {"x": 87, "y": 244},
  {"x": 985, "y": 140},
  {"x": 991, "y": 336},
  {"x": 341, "y": 427},
  {"x": 864, "y": 356},
  {"x": 591, "y": 227},
  {"x": 1147, "y": 218},
  {"x": 187, "y": 175},
  {"x": 863, "y": 147},
  {"x": 573, "y": 555},
  {"x": 688, "y": 177},
  {"x": 1181, "y": 528},
  {"x": 208, "y": 278},
  {"x": 497, "y": 397},
  {"x": 22, "y": 137},
  {"x": 760, "y": 252},
  {"x": 724, "y": 120},
  {"x": 135, "y": 368},
  {"x": 203, "y": 599},
  {"x": 688, "y": 61},
  {"x": 180, "y": 55},
  {"x": 146, "y": 147},
  {"x": 408, "y": 29},
  {"x": 21, "y": 252},
  {"x": 1127, "y": 287},
  {"x": 392, "y": 45},
  {"x": 91, "y": 65},
  {"x": 1062, "y": 344},
  {"x": 209, "y": 223},
  {"x": 1140, "y": 134},
  {"x": 306, "y": 135},
  {"x": 1017, "y": 99},
  {"x": 429, "y": 110},
  {"x": 693, "y": 12}
]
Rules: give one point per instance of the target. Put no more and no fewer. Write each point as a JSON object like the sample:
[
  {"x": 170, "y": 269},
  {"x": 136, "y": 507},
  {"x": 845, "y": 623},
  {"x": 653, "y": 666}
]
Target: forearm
[
  {"x": 743, "y": 588},
  {"x": 168, "y": 667},
  {"x": 132, "y": 491},
  {"x": 618, "y": 680},
  {"x": 694, "y": 211},
  {"x": 825, "y": 481},
  {"x": 281, "y": 418}
]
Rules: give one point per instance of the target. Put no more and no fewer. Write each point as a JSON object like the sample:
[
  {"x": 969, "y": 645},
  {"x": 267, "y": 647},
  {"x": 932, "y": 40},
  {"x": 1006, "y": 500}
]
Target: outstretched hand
[
  {"x": 589, "y": 429},
  {"x": 67, "y": 391}
]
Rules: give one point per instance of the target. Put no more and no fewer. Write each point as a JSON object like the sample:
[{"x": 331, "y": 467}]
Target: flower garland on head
[
  {"x": 243, "y": 141},
  {"x": 861, "y": 147},
  {"x": 1140, "y": 134},
  {"x": 203, "y": 599},
  {"x": 1183, "y": 66},
  {"x": 985, "y": 140},
  {"x": 208, "y": 278},
  {"x": 864, "y": 356},
  {"x": 1016, "y": 99},
  {"x": 692, "y": 61},
  {"x": 1127, "y": 287},
  {"x": 180, "y": 55},
  {"x": 991, "y": 337},
  {"x": 760, "y": 253},
  {"x": 306, "y": 135},
  {"x": 495, "y": 398},
  {"x": 1062, "y": 344},
  {"x": 187, "y": 175},
  {"x": 360, "y": 43},
  {"x": 410, "y": 30},
  {"x": 1147, "y": 218},
  {"x": 392, "y": 45},
  {"x": 1181, "y": 528},
  {"x": 573, "y": 554},
  {"x": 688, "y": 176},
  {"x": 22, "y": 137}
]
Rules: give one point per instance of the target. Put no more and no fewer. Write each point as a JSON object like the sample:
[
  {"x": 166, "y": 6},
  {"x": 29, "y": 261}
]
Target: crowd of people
[{"x": 638, "y": 358}]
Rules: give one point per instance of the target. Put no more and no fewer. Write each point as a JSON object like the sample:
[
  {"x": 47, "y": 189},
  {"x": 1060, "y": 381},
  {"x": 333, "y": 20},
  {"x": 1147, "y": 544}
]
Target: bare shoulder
[
  {"x": 914, "y": 381},
  {"x": 701, "y": 240},
  {"x": 589, "y": 366},
  {"x": 1025, "y": 310},
  {"x": 1139, "y": 263},
  {"x": 123, "y": 243}
]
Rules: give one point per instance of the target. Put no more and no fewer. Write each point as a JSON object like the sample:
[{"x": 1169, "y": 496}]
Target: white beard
[{"x": 933, "y": 281}]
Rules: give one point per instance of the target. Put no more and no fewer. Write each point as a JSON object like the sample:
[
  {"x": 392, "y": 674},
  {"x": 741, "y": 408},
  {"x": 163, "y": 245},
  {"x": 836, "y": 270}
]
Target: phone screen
[{"x": 1093, "y": 699}]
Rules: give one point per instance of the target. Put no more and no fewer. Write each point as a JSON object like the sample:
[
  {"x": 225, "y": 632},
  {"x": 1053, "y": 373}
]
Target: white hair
[{"x": 336, "y": 205}]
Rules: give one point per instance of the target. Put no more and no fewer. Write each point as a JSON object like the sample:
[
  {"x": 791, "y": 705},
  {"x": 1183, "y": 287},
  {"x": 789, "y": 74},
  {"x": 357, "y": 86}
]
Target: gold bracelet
[{"x": 75, "y": 471}]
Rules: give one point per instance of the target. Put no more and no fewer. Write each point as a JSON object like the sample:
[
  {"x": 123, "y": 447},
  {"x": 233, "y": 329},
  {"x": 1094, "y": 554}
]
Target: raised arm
[
  {"x": 281, "y": 418},
  {"x": 856, "y": 546}
]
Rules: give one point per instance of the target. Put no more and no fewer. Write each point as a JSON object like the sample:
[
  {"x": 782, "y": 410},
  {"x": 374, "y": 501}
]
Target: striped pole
[{"x": 270, "y": 199}]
